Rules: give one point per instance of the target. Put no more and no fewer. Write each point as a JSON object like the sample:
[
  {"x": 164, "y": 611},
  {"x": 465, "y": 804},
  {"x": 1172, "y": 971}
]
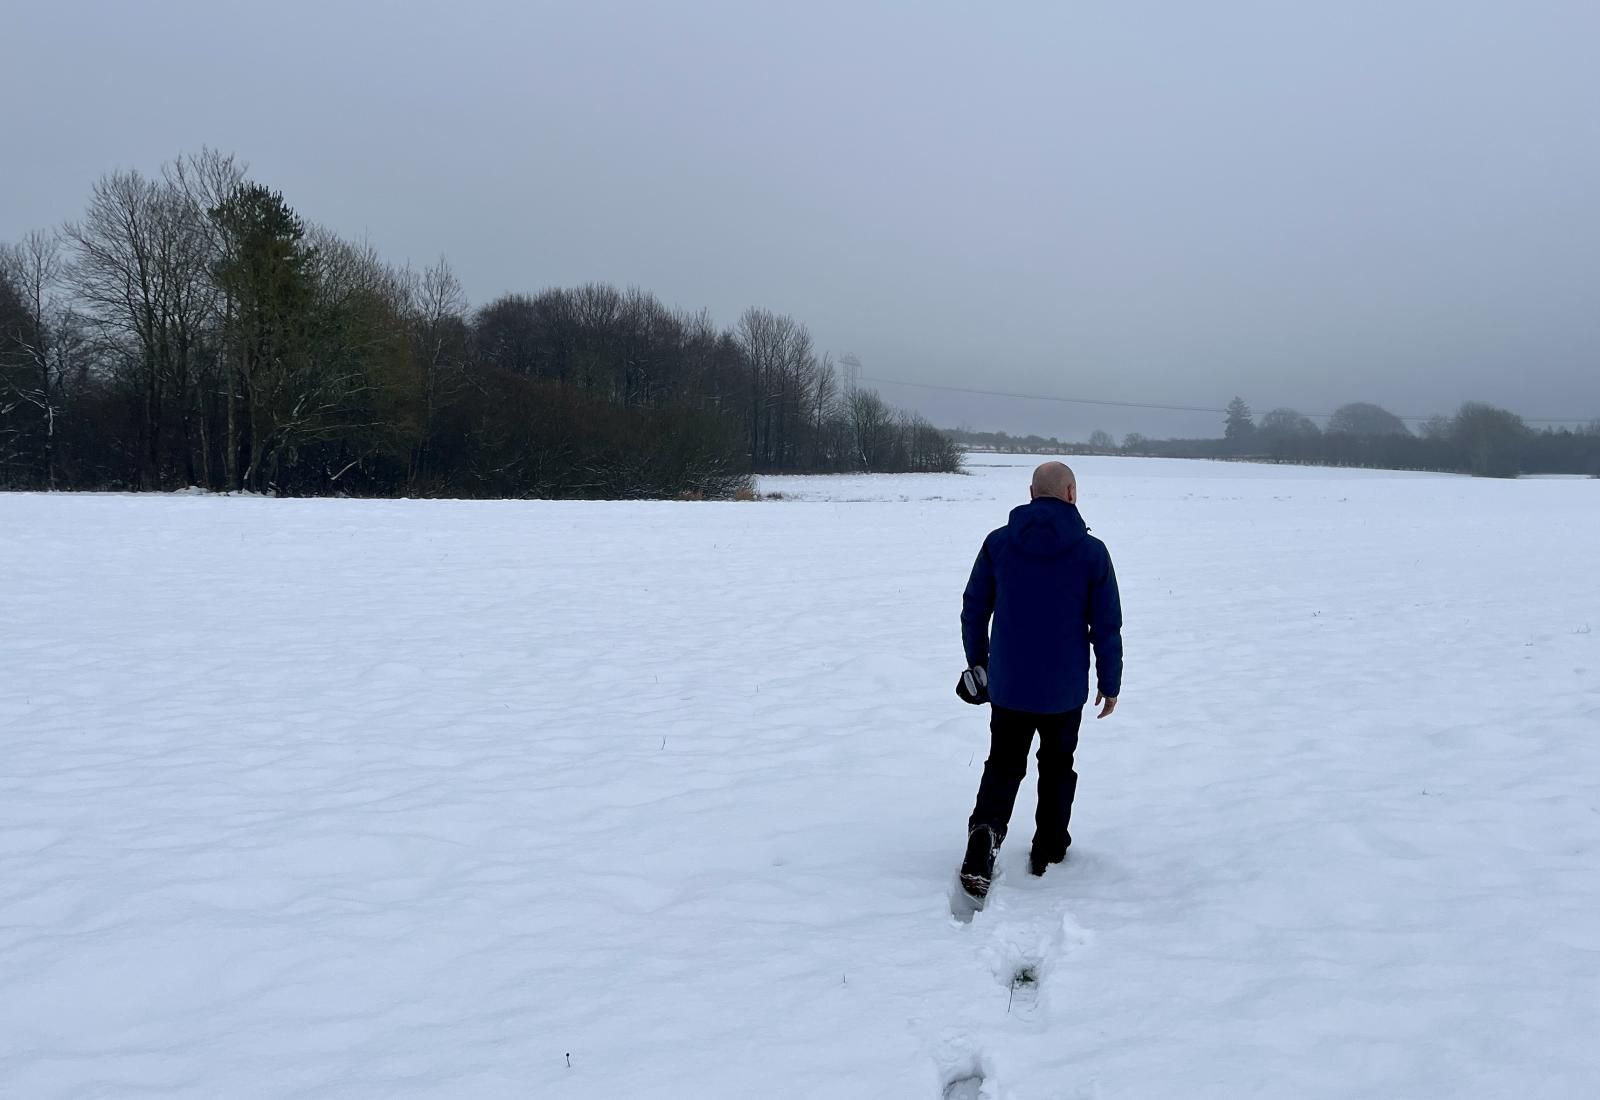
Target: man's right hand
[{"x": 1110, "y": 702}]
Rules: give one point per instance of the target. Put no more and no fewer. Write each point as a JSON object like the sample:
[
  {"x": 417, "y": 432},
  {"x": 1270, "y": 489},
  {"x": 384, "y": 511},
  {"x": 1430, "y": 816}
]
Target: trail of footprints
[{"x": 1022, "y": 952}]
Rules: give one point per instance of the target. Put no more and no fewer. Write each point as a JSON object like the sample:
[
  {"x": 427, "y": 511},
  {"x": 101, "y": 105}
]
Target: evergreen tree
[
  {"x": 262, "y": 273},
  {"x": 1238, "y": 427}
]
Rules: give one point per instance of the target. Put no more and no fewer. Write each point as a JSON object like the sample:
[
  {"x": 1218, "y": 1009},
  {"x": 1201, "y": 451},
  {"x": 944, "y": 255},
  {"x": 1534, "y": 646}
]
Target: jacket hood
[{"x": 1046, "y": 527}]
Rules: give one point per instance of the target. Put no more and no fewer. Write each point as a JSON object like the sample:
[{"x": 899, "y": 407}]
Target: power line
[{"x": 1152, "y": 405}]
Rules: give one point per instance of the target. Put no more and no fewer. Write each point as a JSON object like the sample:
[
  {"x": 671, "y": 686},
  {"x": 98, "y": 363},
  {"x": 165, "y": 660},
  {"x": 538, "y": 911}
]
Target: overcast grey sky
[{"x": 1305, "y": 203}]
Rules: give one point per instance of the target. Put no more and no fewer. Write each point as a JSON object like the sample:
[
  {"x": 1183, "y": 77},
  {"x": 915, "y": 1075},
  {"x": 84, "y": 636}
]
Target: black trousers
[{"x": 1010, "y": 737}]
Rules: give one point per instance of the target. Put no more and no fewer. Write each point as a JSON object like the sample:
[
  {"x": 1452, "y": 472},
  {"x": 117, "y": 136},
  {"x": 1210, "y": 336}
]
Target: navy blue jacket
[{"x": 1050, "y": 587}]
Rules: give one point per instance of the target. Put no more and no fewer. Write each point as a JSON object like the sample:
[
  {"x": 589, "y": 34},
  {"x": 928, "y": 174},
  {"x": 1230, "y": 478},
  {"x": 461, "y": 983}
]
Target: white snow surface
[{"x": 326, "y": 798}]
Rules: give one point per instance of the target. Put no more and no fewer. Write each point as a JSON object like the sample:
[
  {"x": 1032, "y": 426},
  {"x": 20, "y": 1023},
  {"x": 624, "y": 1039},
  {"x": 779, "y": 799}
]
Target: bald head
[{"x": 1055, "y": 479}]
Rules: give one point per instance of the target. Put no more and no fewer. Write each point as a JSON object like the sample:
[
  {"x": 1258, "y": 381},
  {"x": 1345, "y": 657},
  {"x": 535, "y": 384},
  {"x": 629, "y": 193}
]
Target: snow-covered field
[{"x": 446, "y": 799}]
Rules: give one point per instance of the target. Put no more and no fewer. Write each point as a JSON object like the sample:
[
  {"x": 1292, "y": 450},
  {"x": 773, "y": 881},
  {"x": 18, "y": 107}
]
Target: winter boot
[
  {"x": 977, "y": 866},
  {"x": 1039, "y": 860}
]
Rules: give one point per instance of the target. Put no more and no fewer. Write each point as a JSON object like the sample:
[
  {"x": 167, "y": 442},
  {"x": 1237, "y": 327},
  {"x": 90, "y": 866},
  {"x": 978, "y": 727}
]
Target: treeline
[
  {"x": 1099, "y": 443},
  {"x": 192, "y": 329},
  {"x": 1005, "y": 443},
  {"x": 1479, "y": 439}
]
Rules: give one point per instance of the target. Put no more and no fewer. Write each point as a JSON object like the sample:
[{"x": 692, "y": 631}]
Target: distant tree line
[
  {"x": 192, "y": 329},
  {"x": 1004, "y": 443},
  {"x": 1479, "y": 439}
]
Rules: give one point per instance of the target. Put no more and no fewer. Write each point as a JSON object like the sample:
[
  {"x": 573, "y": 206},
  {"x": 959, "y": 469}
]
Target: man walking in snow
[{"x": 1050, "y": 589}]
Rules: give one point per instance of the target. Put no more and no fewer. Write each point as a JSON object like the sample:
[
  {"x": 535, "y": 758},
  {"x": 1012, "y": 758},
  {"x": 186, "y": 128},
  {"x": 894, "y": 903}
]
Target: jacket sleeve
[
  {"x": 977, "y": 605},
  {"x": 1105, "y": 628}
]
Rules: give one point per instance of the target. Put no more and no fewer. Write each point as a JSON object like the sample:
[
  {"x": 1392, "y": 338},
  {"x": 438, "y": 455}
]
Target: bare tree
[
  {"x": 824, "y": 395},
  {"x": 761, "y": 339},
  {"x": 1286, "y": 422},
  {"x": 783, "y": 367},
  {"x": 871, "y": 429},
  {"x": 34, "y": 267},
  {"x": 1365, "y": 418},
  {"x": 201, "y": 182},
  {"x": 142, "y": 266},
  {"x": 437, "y": 309}
]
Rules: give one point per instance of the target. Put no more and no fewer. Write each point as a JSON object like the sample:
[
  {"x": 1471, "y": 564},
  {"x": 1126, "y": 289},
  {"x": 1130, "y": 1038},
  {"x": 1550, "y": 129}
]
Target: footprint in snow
[
  {"x": 964, "y": 1071},
  {"x": 965, "y": 1078},
  {"x": 968, "y": 1086},
  {"x": 1022, "y": 954}
]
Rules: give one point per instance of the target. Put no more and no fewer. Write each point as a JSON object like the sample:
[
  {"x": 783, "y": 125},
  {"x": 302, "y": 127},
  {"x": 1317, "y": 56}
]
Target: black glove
[{"x": 973, "y": 687}]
